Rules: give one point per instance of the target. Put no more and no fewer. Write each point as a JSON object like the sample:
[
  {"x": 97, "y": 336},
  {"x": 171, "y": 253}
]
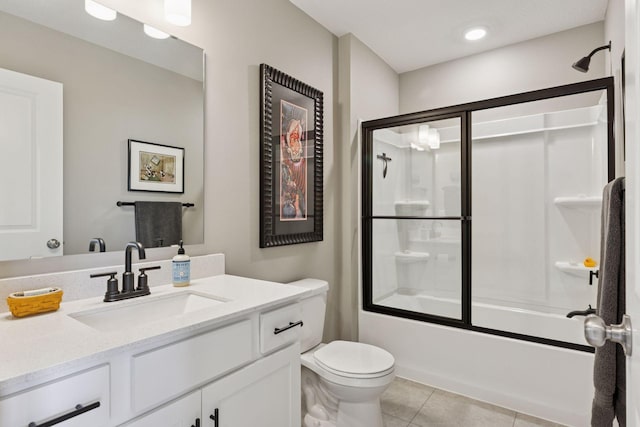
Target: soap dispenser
[{"x": 181, "y": 267}]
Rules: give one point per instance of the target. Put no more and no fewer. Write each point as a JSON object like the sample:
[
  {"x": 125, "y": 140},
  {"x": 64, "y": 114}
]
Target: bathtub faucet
[{"x": 581, "y": 312}]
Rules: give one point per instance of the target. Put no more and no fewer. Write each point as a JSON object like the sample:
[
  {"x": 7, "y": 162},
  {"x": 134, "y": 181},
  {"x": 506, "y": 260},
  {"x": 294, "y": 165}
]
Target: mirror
[{"x": 118, "y": 84}]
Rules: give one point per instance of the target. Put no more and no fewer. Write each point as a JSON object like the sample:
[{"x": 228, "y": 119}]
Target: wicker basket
[{"x": 21, "y": 306}]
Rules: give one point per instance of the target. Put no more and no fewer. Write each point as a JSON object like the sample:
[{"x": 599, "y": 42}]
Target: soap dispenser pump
[{"x": 181, "y": 265}]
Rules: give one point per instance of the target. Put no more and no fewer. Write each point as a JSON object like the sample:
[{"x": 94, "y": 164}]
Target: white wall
[
  {"x": 530, "y": 65},
  {"x": 368, "y": 90},
  {"x": 614, "y": 32}
]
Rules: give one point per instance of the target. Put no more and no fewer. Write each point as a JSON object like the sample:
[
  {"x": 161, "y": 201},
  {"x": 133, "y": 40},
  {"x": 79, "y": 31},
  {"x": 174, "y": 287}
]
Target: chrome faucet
[{"x": 128, "y": 279}]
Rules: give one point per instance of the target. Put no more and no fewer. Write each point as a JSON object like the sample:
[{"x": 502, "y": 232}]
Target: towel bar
[{"x": 186, "y": 205}]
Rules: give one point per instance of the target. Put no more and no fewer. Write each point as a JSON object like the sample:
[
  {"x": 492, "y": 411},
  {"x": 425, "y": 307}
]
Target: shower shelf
[
  {"x": 574, "y": 268},
  {"x": 583, "y": 202}
]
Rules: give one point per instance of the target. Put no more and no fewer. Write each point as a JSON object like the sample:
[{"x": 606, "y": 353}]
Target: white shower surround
[{"x": 557, "y": 385}]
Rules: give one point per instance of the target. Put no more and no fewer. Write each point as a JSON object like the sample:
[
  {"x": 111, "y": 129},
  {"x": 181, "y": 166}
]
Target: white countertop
[{"x": 40, "y": 346}]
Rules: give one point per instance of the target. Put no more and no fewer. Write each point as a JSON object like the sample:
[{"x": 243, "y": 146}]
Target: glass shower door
[
  {"x": 538, "y": 173},
  {"x": 416, "y": 217}
]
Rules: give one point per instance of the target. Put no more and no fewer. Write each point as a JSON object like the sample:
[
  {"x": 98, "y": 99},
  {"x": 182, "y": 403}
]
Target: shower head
[{"x": 582, "y": 64}]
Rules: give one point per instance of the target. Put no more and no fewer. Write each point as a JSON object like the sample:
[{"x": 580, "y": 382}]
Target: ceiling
[{"x": 411, "y": 34}]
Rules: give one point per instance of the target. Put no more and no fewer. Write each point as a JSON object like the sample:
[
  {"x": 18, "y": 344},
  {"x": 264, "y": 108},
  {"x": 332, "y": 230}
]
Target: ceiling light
[
  {"x": 154, "y": 32},
  {"x": 99, "y": 11},
  {"x": 178, "y": 12},
  {"x": 473, "y": 34}
]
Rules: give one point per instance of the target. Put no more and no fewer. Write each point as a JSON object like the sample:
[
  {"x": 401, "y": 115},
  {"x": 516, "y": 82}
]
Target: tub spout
[{"x": 581, "y": 312}]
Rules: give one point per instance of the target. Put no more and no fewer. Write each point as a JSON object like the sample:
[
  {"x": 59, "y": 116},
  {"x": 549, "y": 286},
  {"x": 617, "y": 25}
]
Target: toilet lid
[{"x": 353, "y": 358}]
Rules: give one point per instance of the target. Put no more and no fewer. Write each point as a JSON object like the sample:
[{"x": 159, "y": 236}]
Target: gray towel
[
  {"x": 158, "y": 223},
  {"x": 609, "y": 366}
]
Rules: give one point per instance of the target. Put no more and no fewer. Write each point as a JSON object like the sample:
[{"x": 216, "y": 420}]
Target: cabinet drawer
[
  {"x": 60, "y": 398},
  {"x": 164, "y": 373},
  {"x": 280, "y": 327}
]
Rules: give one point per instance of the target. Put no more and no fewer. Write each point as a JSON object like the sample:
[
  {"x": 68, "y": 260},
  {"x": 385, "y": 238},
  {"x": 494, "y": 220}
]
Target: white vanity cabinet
[
  {"x": 77, "y": 400},
  {"x": 233, "y": 364},
  {"x": 244, "y": 374}
]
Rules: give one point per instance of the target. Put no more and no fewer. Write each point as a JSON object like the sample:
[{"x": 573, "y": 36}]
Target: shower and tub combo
[{"x": 474, "y": 241}]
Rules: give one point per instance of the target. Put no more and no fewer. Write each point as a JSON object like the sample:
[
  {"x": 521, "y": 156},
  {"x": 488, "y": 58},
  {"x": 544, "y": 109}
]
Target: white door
[
  {"x": 31, "y": 171},
  {"x": 632, "y": 199}
]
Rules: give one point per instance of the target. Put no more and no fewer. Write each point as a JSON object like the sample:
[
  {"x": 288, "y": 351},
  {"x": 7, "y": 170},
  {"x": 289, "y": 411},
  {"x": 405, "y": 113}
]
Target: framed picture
[
  {"x": 155, "y": 167},
  {"x": 291, "y": 132}
]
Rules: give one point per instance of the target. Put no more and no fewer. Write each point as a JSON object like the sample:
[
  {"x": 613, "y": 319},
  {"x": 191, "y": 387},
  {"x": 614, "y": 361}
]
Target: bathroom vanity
[{"x": 222, "y": 352}]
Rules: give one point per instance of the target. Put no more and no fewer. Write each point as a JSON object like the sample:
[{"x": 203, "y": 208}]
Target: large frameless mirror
[{"x": 105, "y": 82}]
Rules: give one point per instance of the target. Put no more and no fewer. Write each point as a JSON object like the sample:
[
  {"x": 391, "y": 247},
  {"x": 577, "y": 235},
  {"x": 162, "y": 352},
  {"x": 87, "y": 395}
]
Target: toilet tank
[{"x": 313, "y": 309}]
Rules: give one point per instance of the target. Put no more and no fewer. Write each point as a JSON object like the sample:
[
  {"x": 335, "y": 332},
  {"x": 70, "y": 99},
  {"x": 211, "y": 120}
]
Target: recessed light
[
  {"x": 99, "y": 11},
  {"x": 178, "y": 12},
  {"x": 476, "y": 33}
]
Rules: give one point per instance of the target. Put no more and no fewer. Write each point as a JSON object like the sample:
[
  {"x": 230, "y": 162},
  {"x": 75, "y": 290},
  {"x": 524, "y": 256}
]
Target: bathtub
[
  {"x": 493, "y": 316},
  {"x": 549, "y": 382}
]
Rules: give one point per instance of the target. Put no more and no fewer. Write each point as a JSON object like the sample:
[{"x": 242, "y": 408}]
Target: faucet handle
[
  {"x": 143, "y": 279},
  {"x": 112, "y": 285}
]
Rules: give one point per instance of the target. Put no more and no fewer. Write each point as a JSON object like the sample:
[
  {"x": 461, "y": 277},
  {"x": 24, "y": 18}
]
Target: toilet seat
[{"x": 354, "y": 360}]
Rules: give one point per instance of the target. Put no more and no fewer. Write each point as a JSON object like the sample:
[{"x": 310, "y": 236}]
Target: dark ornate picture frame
[{"x": 291, "y": 164}]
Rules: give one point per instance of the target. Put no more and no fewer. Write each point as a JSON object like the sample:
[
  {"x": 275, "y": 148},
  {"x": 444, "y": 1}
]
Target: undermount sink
[{"x": 144, "y": 310}]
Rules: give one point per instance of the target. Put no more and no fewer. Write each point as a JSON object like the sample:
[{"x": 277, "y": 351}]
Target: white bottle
[{"x": 181, "y": 268}]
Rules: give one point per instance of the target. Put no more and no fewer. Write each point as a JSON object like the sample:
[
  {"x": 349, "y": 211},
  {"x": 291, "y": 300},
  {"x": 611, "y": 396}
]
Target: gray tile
[
  {"x": 523, "y": 420},
  {"x": 403, "y": 399},
  {"x": 390, "y": 421},
  {"x": 448, "y": 409}
]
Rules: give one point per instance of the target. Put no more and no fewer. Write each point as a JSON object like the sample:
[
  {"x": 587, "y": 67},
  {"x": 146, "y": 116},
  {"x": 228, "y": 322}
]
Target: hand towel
[
  {"x": 609, "y": 364},
  {"x": 158, "y": 223}
]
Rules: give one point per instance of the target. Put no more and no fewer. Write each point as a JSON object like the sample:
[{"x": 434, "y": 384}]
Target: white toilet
[{"x": 341, "y": 381}]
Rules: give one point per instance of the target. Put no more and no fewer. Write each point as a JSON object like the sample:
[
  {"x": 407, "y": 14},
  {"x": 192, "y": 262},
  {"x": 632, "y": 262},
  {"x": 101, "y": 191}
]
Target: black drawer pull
[
  {"x": 276, "y": 331},
  {"x": 215, "y": 417},
  {"x": 78, "y": 411}
]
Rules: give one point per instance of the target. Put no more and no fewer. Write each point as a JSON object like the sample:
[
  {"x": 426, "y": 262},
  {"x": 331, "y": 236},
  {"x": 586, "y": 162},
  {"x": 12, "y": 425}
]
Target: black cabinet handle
[
  {"x": 276, "y": 331},
  {"x": 197, "y": 423},
  {"x": 79, "y": 410},
  {"x": 215, "y": 417}
]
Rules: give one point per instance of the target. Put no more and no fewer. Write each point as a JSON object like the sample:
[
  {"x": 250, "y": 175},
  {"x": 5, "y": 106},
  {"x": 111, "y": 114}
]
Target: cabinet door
[
  {"x": 182, "y": 413},
  {"x": 265, "y": 393}
]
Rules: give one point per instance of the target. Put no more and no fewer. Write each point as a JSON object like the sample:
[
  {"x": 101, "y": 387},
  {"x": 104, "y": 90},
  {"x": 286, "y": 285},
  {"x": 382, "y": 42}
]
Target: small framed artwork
[
  {"x": 291, "y": 134},
  {"x": 155, "y": 167}
]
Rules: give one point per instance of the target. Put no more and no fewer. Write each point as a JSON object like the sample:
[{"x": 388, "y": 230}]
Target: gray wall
[
  {"x": 109, "y": 97},
  {"x": 530, "y": 65},
  {"x": 237, "y": 36},
  {"x": 368, "y": 90}
]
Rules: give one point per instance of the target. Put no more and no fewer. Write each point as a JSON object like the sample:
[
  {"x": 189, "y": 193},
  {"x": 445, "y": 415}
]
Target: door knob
[
  {"x": 53, "y": 244},
  {"x": 597, "y": 332}
]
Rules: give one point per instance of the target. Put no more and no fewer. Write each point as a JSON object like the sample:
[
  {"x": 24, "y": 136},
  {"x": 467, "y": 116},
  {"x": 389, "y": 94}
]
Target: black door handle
[
  {"x": 215, "y": 417},
  {"x": 79, "y": 410}
]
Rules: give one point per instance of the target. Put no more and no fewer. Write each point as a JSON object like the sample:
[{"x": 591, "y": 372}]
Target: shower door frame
[{"x": 464, "y": 112}]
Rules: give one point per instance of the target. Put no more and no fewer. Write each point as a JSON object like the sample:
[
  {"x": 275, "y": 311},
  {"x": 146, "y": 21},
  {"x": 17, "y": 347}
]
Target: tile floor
[{"x": 409, "y": 404}]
